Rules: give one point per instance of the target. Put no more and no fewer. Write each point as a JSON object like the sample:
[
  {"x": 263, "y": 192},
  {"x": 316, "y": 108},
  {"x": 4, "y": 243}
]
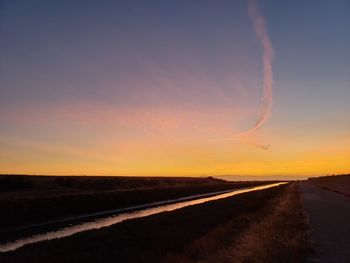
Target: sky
[{"x": 185, "y": 88}]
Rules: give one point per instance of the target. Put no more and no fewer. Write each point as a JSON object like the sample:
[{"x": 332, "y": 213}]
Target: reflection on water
[{"x": 111, "y": 220}]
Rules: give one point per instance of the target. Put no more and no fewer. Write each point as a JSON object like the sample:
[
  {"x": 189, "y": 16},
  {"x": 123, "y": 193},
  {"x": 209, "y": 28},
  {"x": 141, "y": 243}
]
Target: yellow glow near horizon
[{"x": 177, "y": 156}]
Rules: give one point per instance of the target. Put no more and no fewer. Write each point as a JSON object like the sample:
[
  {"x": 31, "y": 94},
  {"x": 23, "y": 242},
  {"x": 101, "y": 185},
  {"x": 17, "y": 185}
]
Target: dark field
[
  {"x": 336, "y": 183},
  {"x": 267, "y": 224},
  {"x": 34, "y": 199}
]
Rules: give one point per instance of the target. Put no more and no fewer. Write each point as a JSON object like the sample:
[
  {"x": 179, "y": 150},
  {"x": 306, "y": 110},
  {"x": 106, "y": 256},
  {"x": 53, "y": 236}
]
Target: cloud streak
[{"x": 267, "y": 82}]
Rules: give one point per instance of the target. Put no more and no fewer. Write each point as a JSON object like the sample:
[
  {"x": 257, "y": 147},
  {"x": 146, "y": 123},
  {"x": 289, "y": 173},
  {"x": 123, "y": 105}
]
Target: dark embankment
[
  {"x": 266, "y": 224},
  {"x": 278, "y": 232},
  {"x": 34, "y": 199},
  {"x": 280, "y": 236},
  {"x": 335, "y": 183}
]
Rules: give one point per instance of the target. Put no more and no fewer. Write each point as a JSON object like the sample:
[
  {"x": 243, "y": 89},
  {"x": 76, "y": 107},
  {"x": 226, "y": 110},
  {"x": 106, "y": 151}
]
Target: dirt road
[{"x": 329, "y": 215}]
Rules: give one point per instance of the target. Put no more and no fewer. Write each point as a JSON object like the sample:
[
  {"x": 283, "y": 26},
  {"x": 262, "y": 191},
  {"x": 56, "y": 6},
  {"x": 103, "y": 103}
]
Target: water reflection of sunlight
[{"x": 111, "y": 220}]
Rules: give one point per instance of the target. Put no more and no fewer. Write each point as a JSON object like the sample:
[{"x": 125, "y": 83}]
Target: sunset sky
[{"x": 175, "y": 87}]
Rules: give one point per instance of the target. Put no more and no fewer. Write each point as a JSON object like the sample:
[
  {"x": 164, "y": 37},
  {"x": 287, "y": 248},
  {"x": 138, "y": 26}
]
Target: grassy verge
[
  {"x": 336, "y": 183},
  {"x": 277, "y": 233},
  {"x": 280, "y": 237}
]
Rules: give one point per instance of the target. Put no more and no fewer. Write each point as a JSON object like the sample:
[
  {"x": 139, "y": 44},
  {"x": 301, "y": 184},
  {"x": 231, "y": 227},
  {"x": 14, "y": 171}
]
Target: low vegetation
[
  {"x": 262, "y": 226},
  {"x": 277, "y": 233},
  {"x": 43, "y": 184},
  {"x": 335, "y": 183},
  {"x": 282, "y": 236},
  {"x": 34, "y": 199}
]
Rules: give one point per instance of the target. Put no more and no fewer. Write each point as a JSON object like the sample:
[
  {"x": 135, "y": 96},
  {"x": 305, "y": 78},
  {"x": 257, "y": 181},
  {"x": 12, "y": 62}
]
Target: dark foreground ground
[
  {"x": 35, "y": 199},
  {"x": 335, "y": 183},
  {"x": 262, "y": 226},
  {"x": 329, "y": 217}
]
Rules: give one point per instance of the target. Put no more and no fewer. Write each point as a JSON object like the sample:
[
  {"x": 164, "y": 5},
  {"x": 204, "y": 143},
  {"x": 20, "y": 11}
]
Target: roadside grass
[
  {"x": 336, "y": 183},
  {"x": 282, "y": 236},
  {"x": 278, "y": 233}
]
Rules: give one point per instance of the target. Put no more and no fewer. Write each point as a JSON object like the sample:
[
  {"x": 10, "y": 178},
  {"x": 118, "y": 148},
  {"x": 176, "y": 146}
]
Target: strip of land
[
  {"x": 336, "y": 183},
  {"x": 224, "y": 230},
  {"x": 27, "y": 200}
]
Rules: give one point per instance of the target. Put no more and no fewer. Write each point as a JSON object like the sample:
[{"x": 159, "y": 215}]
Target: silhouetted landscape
[
  {"x": 174, "y": 131},
  {"x": 268, "y": 225},
  {"x": 336, "y": 183},
  {"x": 35, "y": 199},
  {"x": 208, "y": 232}
]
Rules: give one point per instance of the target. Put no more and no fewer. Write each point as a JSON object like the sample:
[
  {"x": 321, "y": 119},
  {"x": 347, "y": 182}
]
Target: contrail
[{"x": 267, "y": 83}]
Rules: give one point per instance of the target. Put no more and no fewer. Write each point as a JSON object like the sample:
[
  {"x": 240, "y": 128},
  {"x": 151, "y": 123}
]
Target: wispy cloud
[{"x": 267, "y": 82}]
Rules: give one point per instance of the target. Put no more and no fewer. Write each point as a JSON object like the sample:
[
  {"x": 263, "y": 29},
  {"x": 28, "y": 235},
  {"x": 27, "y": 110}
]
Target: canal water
[{"x": 109, "y": 220}]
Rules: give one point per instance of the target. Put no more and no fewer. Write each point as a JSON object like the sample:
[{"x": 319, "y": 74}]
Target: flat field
[
  {"x": 336, "y": 183},
  {"x": 26, "y": 200}
]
